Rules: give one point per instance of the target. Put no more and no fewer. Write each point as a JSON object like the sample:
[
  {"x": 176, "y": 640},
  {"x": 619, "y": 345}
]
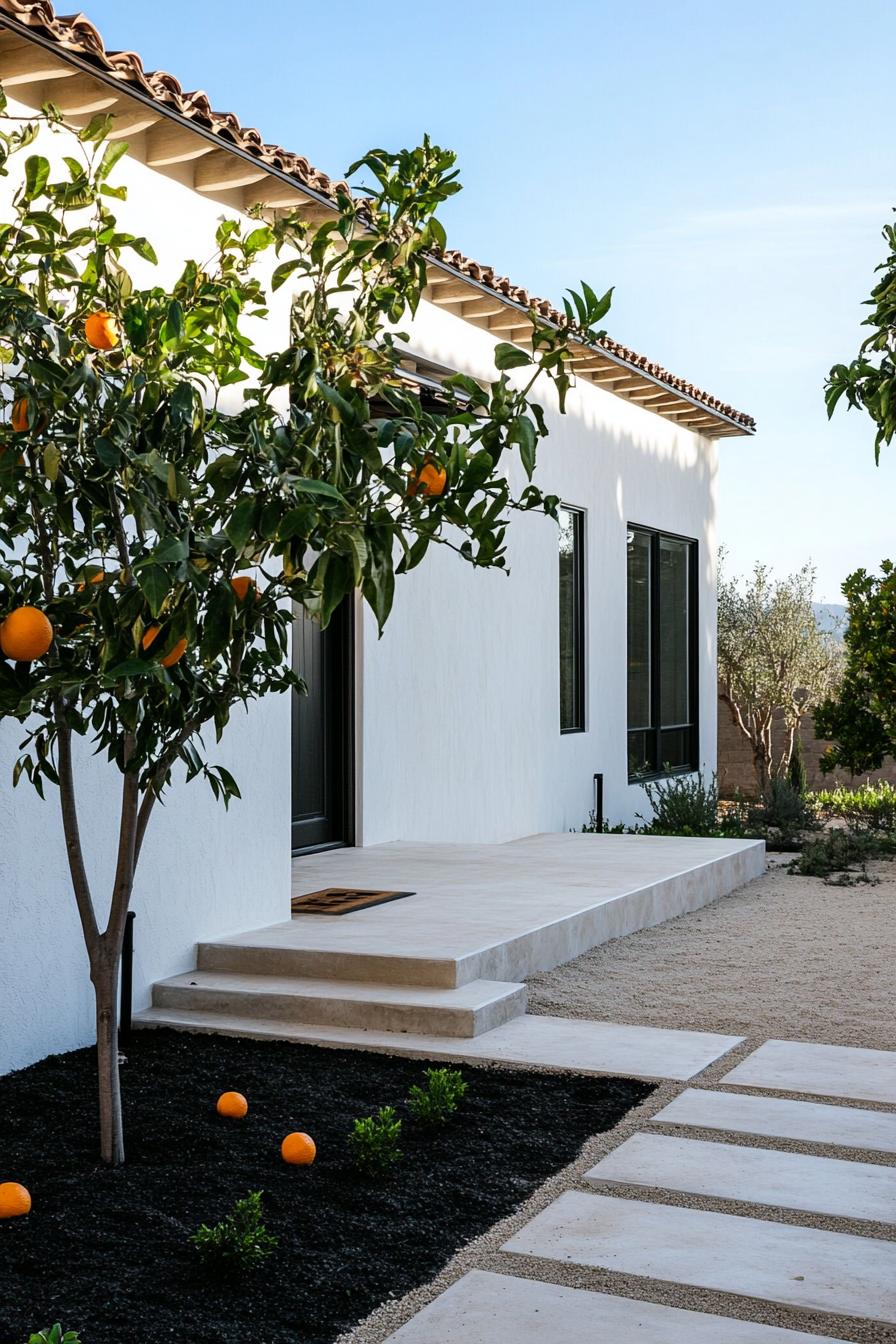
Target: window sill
[{"x": 663, "y": 774}]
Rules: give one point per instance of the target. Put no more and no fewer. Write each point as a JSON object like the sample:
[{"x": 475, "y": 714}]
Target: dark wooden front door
[{"x": 322, "y": 732}]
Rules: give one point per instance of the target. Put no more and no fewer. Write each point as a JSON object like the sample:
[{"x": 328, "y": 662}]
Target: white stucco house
[{"x": 490, "y": 704}]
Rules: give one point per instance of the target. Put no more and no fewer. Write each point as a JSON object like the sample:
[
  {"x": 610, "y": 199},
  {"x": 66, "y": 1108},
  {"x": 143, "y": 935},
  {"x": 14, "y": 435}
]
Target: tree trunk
[{"x": 104, "y": 975}]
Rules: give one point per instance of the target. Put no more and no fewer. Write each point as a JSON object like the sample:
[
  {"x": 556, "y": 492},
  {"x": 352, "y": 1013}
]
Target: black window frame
[
  {"x": 578, "y": 722},
  {"x": 656, "y": 726}
]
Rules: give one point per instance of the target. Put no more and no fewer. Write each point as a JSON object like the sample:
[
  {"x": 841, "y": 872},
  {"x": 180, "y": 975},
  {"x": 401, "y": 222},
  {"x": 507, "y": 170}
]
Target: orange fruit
[
  {"x": 15, "y": 1200},
  {"x": 299, "y": 1150},
  {"x": 97, "y": 578},
  {"x": 20, "y": 415},
  {"x": 101, "y": 331},
  {"x": 176, "y": 653},
  {"x": 431, "y": 479},
  {"x": 26, "y": 634},
  {"x": 241, "y": 585},
  {"x": 232, "y": 1104}
]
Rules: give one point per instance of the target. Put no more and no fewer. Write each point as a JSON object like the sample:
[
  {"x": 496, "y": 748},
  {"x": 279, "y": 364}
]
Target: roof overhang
[{"x": 61, "y": 60}]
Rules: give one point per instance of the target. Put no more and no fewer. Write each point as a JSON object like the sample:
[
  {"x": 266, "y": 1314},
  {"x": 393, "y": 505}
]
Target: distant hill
[{"x": 831, "y": 617}]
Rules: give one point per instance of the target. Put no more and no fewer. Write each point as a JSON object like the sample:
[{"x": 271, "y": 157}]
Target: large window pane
[
  {"x": 662, "y": 732},
  {"x": 572, "y": 621},
  {"x": 674, "y": 632},
  {"x": 639, "y": 640}
]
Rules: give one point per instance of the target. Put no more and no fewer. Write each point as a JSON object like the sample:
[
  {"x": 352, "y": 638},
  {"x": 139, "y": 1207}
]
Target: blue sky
[{"x": 727, "y": 167}]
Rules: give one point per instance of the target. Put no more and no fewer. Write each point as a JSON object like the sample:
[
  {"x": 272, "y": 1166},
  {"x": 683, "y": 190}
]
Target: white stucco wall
[
  {"x": 458, "y": 703},
  {"x": 460, "y": 715},
  {"x": 203, "y": 872}
]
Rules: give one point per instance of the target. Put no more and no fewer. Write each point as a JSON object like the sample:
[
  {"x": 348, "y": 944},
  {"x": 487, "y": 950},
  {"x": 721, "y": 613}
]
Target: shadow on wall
[{"x": 735, "y": 768}]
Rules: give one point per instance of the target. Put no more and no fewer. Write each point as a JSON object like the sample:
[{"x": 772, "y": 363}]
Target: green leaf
[
  {"x": 52, "y": 459},
  {"x": 284, "y": 271},
  {"x": 97, "y": 128},
  {"x": 522, "y": 431},
  {"x": 116, "y": 150},
  {"x": 171, "y": 551},
  {"x": 509, "y": 356},
  {"x": 173, "y": 327},
  {"x": 258, "y": 240},
  {"x": 107, "y": 452},
  {"x": 155, "y": 586},
  {"x": 37, "y": 175},
  {"x": 241, "y": 523},
  {"x": 343, "y": 411},
  {"x": 131, "y": 667},
  {"x": 306, "y": 485},
  {"x": 218, "y": 625},
  {"x": 144, "y": 249}
]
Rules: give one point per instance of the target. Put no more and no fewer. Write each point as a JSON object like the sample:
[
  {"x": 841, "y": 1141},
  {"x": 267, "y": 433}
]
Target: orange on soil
[
  {"x": 431, "y": 479},
  {"x": 232, "y": 1104},
  {"x": 299, "y": 1150},
  {"x": 20, "y": 415},
  {"x": 15, "y": 1200},
  {"x": 101, "y": 331},
  {"x": 241, "y": 585},
  {"x": 26, "y": 634},
  {"x": 176, "y": 653}
]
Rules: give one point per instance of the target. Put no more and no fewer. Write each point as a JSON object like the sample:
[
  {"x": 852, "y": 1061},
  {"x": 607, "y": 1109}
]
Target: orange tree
[{"x": 167, "y": 492}]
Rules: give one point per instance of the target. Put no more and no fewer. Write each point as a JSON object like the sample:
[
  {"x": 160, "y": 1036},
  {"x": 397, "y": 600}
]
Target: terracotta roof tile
[
  {"x": 76, "y": 34},
  {"x": 486, "y": 275}
]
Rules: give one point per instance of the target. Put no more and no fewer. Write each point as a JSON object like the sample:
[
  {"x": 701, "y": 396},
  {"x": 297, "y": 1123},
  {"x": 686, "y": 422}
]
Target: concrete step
[
  {"x": 279, "y": 951},
  {"x": 463, "y": 1012}
]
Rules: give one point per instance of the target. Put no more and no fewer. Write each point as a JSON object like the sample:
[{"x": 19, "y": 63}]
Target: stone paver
[
  {"x": 755, "y": 1175},
  {"x": 821, "y": 1070},
  {"x": 781, "y": 1118},
  {"x": 483, "y": 1308},
  {"x": 797, "y": 1266},
  {"x": 559, "y": 1042}
]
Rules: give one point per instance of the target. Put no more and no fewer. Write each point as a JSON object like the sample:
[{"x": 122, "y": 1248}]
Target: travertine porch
[{"x": 440, "y": 973}]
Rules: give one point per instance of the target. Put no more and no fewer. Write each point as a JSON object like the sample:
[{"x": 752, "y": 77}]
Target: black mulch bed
[{"x": 106, "y": 1252}]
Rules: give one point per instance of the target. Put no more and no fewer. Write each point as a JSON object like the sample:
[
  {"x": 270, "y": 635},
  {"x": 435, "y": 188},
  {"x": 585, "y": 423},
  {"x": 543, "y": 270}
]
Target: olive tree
[
  {"x": 775, "y": 664},
  {"x": 168, "y": 492}
]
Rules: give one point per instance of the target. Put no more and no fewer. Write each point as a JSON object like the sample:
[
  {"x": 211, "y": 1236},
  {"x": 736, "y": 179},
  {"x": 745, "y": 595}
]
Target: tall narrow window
[
  {"x": 662, "y": 653},
  {"x": 572, "y": 620}
]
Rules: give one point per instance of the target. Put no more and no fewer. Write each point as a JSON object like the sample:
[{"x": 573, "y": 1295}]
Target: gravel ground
[{"x": 782, "y": 957}]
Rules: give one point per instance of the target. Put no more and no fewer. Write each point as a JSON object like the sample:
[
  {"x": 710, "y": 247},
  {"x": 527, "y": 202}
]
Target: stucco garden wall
[{"x": 735, "y": 759}]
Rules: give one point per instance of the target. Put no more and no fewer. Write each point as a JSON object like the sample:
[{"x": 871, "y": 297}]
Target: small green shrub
[
  {"x": 870, "y": 807},
  {"x": 796, "y": 767},
  {"x": 374, "y": 1141},
  {"x": 436, "y": 1102},
  {"x": 53, "y": 1335},
  {"x": 684, "y": 805},
  {"x": 591, "y": 827},
  {"x": 239, "y": 1242},
  {"x": 784, "y": 814},
  {"x": 839, "y": 857}
]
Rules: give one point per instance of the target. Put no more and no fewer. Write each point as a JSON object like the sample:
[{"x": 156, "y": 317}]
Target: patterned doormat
[{"x": 342, "y": 900}]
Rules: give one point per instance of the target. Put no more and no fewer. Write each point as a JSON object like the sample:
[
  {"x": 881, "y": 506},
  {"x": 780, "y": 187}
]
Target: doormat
[{"x": 342, "y": 900}]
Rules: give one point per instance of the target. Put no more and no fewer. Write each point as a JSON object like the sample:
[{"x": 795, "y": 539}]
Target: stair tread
[{"x": 474, "y": 994}]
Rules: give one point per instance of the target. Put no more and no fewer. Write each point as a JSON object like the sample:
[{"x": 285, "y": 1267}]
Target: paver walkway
[{"x": 728, "y": 1217}]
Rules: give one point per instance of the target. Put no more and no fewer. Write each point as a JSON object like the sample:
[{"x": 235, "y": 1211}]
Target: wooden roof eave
[
  {"x": 596, "y": 364},
  {"x": 199, "y": 157}
]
